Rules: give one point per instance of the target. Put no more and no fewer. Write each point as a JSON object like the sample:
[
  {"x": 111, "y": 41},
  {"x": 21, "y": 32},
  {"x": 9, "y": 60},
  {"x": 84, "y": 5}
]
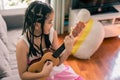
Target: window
[{"x": 14, "y": 4}]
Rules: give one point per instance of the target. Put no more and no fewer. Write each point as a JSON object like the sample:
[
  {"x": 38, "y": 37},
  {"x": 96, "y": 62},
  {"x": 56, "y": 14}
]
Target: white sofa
[{"x": 8, "y": 63}]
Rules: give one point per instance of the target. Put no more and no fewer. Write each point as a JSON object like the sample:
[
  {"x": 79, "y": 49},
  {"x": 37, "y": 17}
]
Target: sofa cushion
[
  {"x": 13, "y": 61},
  {"x": 4, "y": 51},
  {"x": 3, "y": 30},
  {"x": 5, "y": 69},
  {"x": 14, "y": 77},
  {"x": 16, "y": 33}
]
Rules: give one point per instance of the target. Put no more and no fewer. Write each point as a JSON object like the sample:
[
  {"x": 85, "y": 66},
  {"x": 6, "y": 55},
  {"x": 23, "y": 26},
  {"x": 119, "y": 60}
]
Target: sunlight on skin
[
  {"x": 116, "y": 70},
  {"x": 119, "y": 36}
]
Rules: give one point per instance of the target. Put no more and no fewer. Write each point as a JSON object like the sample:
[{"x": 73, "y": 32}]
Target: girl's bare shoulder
[{"x": 21, "y": 45}]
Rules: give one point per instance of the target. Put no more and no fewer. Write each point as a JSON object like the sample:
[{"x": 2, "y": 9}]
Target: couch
[{"x": 8, "y": 63}]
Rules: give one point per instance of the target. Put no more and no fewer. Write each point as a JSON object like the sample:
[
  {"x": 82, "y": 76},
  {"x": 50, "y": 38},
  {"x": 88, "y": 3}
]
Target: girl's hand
[
  {"x": 69, "y": 41},
  {"x": 47, "y": 68}
]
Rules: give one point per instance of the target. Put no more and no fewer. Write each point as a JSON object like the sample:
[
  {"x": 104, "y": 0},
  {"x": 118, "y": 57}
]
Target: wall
[
  {"x": 14, "y": 21},
  {"x": 14, "y": 18}
]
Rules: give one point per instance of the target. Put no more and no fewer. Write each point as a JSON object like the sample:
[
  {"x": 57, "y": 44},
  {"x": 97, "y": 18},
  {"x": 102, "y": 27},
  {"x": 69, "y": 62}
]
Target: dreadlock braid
[{"x": 37, "y": 11}]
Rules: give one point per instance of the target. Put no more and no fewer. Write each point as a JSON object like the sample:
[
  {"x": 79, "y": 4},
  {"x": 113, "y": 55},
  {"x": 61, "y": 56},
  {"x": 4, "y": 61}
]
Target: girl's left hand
[{"x": 69, "y": 41}]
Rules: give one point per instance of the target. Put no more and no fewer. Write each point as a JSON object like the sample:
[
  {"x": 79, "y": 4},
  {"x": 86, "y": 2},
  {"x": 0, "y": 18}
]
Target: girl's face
[{"x": 48, "y": 23}]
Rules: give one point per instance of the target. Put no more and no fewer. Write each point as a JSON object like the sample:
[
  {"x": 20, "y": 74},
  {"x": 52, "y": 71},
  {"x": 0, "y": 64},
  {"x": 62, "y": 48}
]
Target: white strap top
[
  {"x": 26, "y": 41},
  {"x": 50, "y": 37}
]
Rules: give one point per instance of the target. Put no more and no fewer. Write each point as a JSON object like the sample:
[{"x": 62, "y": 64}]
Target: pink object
[{"x": 66, "y": 73}]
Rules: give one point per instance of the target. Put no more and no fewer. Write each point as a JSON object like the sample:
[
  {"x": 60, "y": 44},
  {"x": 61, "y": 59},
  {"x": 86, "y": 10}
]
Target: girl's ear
[{"x": 37, "y": 25}]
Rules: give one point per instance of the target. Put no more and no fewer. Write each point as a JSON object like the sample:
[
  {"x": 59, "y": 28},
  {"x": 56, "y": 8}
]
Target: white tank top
[{"x": 23, "y": 37}]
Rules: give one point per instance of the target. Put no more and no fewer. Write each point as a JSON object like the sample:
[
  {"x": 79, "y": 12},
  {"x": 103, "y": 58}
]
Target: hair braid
[{"x": 37, "y": 11}]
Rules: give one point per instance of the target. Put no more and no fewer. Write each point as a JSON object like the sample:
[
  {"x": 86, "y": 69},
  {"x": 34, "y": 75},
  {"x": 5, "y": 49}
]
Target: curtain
[
  {"x": 1, "y": 4},
  {"x": 58, "y": 6}
]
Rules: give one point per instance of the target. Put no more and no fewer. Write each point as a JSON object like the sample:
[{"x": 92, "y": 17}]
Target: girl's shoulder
[
  {"x": 22, "y": 43},
  {"x": 24, "y": 40}
]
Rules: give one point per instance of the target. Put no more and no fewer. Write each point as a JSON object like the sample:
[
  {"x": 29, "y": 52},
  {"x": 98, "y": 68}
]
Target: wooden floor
[{"x": 104, "y": 63}]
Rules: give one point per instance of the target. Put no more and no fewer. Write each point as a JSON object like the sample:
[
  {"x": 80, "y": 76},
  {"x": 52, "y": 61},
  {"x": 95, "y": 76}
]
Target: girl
[{"x": 38, "y": 35}]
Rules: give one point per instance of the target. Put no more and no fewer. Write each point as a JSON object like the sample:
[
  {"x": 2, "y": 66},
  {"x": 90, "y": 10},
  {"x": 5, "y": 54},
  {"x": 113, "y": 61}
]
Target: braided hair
[{"x": 37, "y": 11}]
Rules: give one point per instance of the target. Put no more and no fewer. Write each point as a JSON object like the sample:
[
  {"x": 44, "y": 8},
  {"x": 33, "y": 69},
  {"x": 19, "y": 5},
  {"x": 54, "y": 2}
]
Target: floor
[{"x": 104, "y": 63}]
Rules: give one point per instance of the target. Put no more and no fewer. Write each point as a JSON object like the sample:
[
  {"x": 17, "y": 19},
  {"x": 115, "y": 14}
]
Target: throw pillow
[
  {"x": 4, "y": 50},
  {"x": 3, "y": 30},
  {"x": 90, "y": 38},
  {"x": 5, "y": 69}
]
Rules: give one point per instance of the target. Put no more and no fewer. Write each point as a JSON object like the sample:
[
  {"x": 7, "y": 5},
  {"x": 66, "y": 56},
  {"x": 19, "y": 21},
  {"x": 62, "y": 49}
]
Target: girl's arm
[
  {"x": 21, "y": 54},
  {"x": 68, "y": 41}
]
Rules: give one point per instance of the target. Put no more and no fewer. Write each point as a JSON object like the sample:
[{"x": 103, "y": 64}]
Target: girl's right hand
[{"x": 47, "y": 68}]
